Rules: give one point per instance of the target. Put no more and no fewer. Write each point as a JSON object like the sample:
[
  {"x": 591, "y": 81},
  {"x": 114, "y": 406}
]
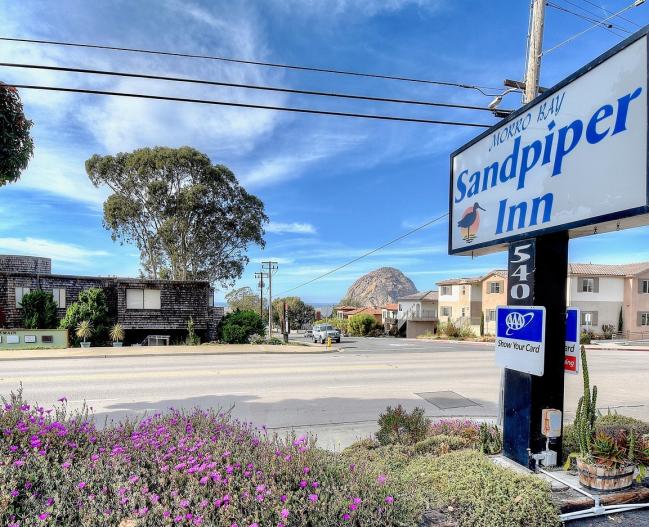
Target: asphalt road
[{"x": 337, "y": 396}]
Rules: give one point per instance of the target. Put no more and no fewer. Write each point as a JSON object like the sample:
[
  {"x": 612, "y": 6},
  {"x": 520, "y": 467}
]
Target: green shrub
[
  {"x": 39, "y": 310},
  {"x": 441, "y": 444},
  {"x": 90, "y": 306},
  {"x": 585, "y": 337},
  {"x": 192, "y": 338},
  {"x": 237, "y": 327},
  {"x": 361, "y": 325},
  {"x": 449, "y": 329},
  {"x": 397, "y": 426},
  {"x": 483, "y": 493}
]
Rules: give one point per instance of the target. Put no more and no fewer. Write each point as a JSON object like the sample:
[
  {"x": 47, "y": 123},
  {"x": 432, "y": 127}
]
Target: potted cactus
[
  {"x": 84, "y": 331},
  {"x": 117, "y": 335},
  {"x": 605, "y": 461}
]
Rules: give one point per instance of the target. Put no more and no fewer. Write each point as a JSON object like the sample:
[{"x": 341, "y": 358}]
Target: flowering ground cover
[
  {"x": 198, "y": 468},
  {"x": 206, "y": 468}
]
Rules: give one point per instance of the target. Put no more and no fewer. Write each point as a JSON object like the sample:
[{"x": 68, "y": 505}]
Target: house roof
[
  {"x": 345, "y": 308},
  {"x": 424, "y": 296},
  {"x": 459, "y": 281},
  {"x": 631, "y": 269},
  {"x": 365, "y": 311},
  {"x": 391, "y": 307},
  {"x": 502, "y": 273}
]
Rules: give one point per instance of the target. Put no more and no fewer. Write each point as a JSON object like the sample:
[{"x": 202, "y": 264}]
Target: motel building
[{"x": 143, "y": 307}]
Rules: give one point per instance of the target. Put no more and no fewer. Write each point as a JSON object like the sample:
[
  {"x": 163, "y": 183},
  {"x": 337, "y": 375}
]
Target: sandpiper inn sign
[{"x": 575, "y": 159}]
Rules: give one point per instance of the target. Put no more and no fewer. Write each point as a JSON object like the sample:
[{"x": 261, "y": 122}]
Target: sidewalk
[{"x": 162, "y": 351}]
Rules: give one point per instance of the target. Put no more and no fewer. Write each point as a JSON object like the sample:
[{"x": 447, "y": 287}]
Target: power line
[
  {"x": 604, "y": 25},
  {"x": 246, "y": 105},
  {"x": 236, "y": 85},
  {"x": 611, "y": 12},
  {"x": 255, "y": 63},
  {"x": 395, "y": 240},
  {"x": 597, "y": 16},
  {"x": 634, "y": 4}
]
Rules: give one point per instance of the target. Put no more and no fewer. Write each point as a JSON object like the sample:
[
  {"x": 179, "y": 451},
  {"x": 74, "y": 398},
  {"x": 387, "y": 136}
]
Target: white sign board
[
  {"x": 520, "y": 338},
  {"x": 13, "y": 339},
  {"x": 571, "y": 361},
  {"x": 574, "y": 159},
  {"x": 30, "y": 339}
]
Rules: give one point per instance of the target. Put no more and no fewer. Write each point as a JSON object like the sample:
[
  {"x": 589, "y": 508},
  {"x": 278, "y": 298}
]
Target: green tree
[
  {"x": 237, "y": 327},
  {"x": 482, "y": 324},
  {"x": 244, "y": 299},
  {"x": 39, "y": 310},
  {"x": 361, "y": 325},
  {"x": 299, "y": 313},
  {"x": 620, "y": 321},
  {"x": 16, "y": 145},
  {"x": 191, "y": 220},
  {"x": 92, "y": 307}
]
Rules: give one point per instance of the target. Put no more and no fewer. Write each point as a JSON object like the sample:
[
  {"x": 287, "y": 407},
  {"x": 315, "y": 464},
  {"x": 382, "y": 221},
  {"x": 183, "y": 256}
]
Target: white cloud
[
  {"x": 293, "y": 228},
  {"x": 59, "y": 252}
]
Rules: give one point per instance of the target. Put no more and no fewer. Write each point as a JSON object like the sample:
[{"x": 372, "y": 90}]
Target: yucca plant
[
  {"x": 117, "y": 333},
  {"x": 84, "y": 330}
]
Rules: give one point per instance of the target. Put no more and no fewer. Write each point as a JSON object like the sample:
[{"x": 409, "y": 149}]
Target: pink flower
[
  {"x": 303, "y": 484},
  {"x": 346, "y": 517},
  {"x": 284, "y": 513},
  {"x": 306, "y": 470},
  {"x": 381, "y": 479},
  {"x": 283, "y": 498},
  {"x": 81, "y": 484},
  {"x": 313, "y": 497},
  {"x": 389, "y": 499},
  {"x": 43, "y": 516}
]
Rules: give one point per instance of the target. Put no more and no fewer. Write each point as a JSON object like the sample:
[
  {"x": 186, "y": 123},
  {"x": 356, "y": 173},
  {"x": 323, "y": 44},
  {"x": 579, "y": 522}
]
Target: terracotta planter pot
[{"x": 605, "y": 479}]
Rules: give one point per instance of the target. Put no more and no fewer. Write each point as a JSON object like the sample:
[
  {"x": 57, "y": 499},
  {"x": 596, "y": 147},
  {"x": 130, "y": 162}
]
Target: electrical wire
[
  {"x": 365, "y": 255},
  {"x": 596, "y": 16},
  {"x": 587, "y": 29},
  {"x": 245, "y": 105},
  {"x": 254, "y": 63},
  {"x": 608, "y": 26},
  {"x": 246, "y": 86},
  {"x": 611, "y": 12}
]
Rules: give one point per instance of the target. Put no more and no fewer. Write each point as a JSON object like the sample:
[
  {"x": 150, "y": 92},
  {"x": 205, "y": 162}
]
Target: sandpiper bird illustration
[{"x": 471, "y": 216}]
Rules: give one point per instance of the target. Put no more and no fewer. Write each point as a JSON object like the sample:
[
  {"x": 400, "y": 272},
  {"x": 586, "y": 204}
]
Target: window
[
  {"x": 143, "y": 299},
  {"x": 589, "y": 318},
  {"x": 446, "y": 290},
  {"x": 399, "y": 307},
  {"x": 464, "y": 290},
  {"x": 463, "y": 312},
  {"x": 47, "y": 339},
  {"x": 644, "y": 286},
  {"x": 643, "y": 319},
  {"x": 491, "y": 315},
  {"x": 210, "y": 299},
  {"x": 59, "y": 297},
  {"x": 445, "y": 311},
  {"x": 20, "y": 293},
  {"x": 495, "y": 287},
  {"x": 587, "y": 285}
]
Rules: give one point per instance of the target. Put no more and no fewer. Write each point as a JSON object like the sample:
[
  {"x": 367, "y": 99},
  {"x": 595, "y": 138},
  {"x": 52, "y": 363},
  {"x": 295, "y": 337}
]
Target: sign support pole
[{"x": 537, "y": 273}]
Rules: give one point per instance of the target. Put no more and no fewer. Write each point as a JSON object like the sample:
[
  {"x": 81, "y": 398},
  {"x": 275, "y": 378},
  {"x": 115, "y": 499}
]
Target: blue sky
[{"x": 333, "y": 187}]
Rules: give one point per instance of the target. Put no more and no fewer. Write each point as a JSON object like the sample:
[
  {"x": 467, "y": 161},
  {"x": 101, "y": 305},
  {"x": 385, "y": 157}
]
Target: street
[{"x": 337, "y": 396}]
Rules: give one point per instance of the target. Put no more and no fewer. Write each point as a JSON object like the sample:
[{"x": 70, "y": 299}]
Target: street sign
[
  {"x": 520, "y": 338},
  {"x": 574, "y": 159},
  {"x": 571, "y": 362}
]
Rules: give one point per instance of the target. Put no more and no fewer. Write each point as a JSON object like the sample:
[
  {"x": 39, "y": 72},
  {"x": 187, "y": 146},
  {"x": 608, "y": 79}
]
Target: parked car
[
  {"x": 308, "y": 334},
  {"x": 322, "y": 332}
]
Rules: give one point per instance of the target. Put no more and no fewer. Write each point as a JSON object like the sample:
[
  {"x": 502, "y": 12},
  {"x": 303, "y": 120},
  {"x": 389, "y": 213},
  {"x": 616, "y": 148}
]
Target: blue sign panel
[
  {"x": 520, "y": 338},
  {"x": 571, "y": 362}
]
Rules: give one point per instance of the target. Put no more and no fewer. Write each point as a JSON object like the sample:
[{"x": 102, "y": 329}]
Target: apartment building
[
  {"x": 601, "y": 292},
  {"x": 417, "y": 314},
  {"x": 494, "y": 294},
  {"x": 460, "y": 301}
]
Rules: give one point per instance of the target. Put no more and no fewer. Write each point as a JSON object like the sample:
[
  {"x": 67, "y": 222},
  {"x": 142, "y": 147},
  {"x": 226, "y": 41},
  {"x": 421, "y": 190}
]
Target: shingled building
[{"x": 141, "y": 306}]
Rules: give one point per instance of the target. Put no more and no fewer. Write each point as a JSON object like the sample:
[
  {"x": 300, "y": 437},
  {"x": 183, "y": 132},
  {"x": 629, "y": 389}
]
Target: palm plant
[
  {"x": 84, "y": 330},
  {"x": 117, "y": 333}
]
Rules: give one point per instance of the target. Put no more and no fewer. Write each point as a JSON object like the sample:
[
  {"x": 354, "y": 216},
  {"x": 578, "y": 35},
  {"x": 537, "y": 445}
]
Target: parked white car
[{"x": 321, "y": 332}]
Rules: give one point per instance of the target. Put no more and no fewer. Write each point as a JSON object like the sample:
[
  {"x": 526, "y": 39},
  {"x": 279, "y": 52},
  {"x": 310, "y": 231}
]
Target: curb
[{"x": 171, "y": 354}]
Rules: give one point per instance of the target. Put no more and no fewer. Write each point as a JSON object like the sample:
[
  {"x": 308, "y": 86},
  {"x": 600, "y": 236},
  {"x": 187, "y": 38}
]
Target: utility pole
[
  {"x": 270, "y": 267},
  {"x": 534, "y": 50},
  {"x": 260, "y": 276}
]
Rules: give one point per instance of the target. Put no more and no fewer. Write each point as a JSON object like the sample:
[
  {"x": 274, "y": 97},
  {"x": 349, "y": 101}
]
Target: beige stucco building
[
  {"x": 494, "y": 294},
  {"x": 460, "y": 301}
]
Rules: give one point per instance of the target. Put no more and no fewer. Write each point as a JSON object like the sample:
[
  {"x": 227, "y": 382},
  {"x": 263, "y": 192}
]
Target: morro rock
[{"x": 381, "y": 286}]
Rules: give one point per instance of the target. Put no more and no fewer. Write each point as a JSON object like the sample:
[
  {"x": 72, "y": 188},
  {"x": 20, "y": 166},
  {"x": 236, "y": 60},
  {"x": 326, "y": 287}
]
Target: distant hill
[{"x": 381, "y": 286}]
